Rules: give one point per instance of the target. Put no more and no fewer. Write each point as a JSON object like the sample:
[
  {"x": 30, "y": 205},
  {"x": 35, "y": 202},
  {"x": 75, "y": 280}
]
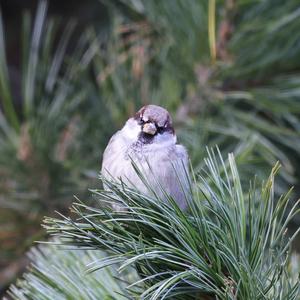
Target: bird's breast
[{"x": 155, "y": 164}]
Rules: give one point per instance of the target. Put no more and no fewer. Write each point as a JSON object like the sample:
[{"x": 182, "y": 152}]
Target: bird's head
[{"x": 151, "y": 125}]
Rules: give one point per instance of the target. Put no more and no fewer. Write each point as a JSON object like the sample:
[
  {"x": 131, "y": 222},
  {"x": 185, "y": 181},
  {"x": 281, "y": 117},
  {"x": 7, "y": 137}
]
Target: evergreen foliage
[
  {"x": 35, "y": 137},
  {"x": 229, "y": 73},
  {"x": 232, "y": 243},
  {"x": 57, "y": 274}
]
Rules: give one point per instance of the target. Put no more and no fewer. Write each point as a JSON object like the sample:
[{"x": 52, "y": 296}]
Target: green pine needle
[
  {"x": 60, "y": 274},
  {"x": 232, "y": 243}
]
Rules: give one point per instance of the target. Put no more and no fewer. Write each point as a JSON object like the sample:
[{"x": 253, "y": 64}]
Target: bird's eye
[
  {"x": 160, "y": 130},
  {"x": 141, "y": 122}
]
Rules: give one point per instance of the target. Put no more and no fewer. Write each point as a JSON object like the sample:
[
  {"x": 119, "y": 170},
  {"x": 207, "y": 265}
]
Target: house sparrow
[{"x": 149, "y": 140}]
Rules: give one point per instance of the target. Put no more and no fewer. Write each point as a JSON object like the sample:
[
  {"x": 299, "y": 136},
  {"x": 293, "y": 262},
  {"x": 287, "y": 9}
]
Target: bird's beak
[{"x": 149, "y": 128}]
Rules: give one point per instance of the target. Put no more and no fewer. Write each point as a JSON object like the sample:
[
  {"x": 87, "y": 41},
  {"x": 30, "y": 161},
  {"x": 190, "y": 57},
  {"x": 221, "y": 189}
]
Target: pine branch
[
  {"x": 61, "y": 274},
  {"x": 231, "y": 245}
]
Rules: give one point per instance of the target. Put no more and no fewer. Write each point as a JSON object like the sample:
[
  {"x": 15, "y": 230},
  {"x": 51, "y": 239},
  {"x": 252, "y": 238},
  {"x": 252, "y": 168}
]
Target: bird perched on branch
[{"x": 149, "y": 141}]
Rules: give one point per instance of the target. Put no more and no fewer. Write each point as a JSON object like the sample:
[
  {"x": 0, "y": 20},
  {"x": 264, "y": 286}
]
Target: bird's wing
[
  {"x": 178, "y": 177},
  {"x": 110, "y": 152},
  {"x": 182, "y": 155}
]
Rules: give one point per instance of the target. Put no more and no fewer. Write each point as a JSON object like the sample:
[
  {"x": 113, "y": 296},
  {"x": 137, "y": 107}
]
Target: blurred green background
[{"x": 72, "y": 73}]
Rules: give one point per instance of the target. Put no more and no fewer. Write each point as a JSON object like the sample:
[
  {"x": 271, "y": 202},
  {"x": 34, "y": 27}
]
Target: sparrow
[{"x": 148, "y": 139}]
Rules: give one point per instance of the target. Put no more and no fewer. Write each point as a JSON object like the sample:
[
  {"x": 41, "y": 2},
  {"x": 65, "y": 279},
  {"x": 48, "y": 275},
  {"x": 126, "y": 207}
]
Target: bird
[{"x": 148, "y": 140}]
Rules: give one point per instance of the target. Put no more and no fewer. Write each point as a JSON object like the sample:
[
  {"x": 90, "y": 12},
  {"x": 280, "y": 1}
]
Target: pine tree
[
  {"x": 228, "y": 71},
  {"x": 231, "y": 244}
]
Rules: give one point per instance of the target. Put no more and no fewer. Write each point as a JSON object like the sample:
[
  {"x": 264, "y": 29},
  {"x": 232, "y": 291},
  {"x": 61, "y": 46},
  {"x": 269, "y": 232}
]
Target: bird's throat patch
[{"x": 145, "y": 138}]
